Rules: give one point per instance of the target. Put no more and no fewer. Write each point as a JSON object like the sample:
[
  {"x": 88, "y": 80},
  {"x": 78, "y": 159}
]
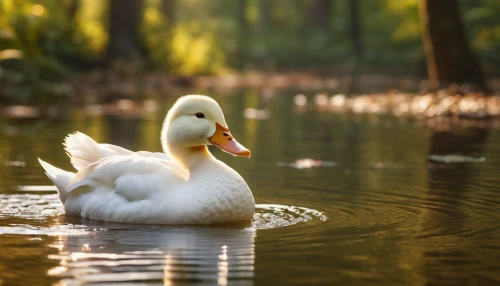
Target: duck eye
[{"x": 200, "y": 115}]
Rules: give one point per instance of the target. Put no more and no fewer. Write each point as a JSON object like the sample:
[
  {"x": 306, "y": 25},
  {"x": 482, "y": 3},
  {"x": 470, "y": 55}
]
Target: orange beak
[{"x": 223, "y": 139}]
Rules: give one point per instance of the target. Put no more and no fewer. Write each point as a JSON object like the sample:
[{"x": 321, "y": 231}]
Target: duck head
[{"x": 195, "y": 121}]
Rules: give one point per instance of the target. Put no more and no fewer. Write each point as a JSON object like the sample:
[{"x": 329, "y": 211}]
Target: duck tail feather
[
  {"x": 81, "y": 149},
  {"x": 59, "y": 177}
]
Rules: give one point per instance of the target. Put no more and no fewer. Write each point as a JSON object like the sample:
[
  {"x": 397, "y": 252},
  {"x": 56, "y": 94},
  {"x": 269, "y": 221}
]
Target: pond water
[{"x": 369, "y": 208}]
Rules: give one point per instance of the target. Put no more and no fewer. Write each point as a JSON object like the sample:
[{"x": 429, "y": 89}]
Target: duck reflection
[{"x": 168, "y": 255}]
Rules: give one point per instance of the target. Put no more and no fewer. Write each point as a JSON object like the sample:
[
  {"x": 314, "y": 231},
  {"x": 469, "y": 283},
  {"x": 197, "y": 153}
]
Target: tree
[
  {"x": 355, "y": 28},
  {"x": 263, "y": 14},
  {"x": 168, "y": 9},
  {"x": 124, "y": 41},
  {"x": 71, "y": 8},
  {"x": 319, "y": 13},
  {"x": 449, "y": 57},
  {"x": 238, "y": 56},
  {"x": 242, "y": 19}
]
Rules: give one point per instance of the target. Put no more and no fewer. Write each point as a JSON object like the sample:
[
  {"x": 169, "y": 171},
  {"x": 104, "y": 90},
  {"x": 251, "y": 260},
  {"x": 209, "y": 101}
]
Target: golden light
[
  {"x": 57, "y": 271},
  {"x": 37, "y": 10},
  {"x": 11, "y": 54},
  {"x": 167, "y": 271},
  {"x": 300, "y": 100},
  {"x": 223, "y": 266},
  {"x": 338, "y": 100},
  {"x": 321, "y": 99}
]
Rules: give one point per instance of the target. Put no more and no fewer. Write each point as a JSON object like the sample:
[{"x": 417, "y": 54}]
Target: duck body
[{"x": 184, "y": 186}]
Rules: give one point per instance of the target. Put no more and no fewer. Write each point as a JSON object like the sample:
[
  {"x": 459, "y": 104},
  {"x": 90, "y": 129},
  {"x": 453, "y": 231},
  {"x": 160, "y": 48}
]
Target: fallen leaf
[
  {"x": 307, "y": 163},
  {"x": 253, "y": 113},
  {"x": 452, "y": 159},
  {"x": 15, "y": 164}
]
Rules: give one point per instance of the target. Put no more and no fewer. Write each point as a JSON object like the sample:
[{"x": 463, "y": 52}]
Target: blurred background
[{"x": 51, "y": 49}]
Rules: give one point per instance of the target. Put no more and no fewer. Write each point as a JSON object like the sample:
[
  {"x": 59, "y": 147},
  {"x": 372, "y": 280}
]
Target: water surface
[{"x": 376, "y": 211}]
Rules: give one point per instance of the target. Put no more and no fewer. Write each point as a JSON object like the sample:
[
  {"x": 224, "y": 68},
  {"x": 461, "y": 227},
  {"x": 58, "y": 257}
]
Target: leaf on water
[
  {"x": 452, "y": 159},
  {"x": 20, "y": 111},
  {"x": 253, "y": 113},
  {"x": 15, "y": 164},
  {"x": 307, "y": 163}
]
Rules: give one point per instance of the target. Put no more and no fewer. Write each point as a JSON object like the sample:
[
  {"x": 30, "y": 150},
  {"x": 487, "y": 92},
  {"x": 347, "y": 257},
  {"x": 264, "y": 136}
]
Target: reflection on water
[
  {"x": 156, "y": 254},
  {"x": 379, "y": 213},
  {"x": 96, "y": 252}
]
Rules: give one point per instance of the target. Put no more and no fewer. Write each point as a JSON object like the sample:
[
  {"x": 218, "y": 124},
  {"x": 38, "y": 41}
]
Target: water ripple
[
  {"x": 29, "y": 206},
  {"x": 272, "y": 216},
  {"x": 101, "y": 252}
]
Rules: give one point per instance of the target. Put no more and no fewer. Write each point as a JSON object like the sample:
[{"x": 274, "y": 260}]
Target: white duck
[{"x": 184, "y": 185}]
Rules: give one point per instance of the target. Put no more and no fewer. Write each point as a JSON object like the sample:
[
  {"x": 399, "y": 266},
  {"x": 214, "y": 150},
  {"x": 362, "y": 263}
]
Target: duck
[{"x": 184, "y": 184}]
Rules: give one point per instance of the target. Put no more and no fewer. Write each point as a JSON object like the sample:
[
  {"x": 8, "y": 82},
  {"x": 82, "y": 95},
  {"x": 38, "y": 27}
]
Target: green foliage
[
  {"x": 39, "y": 44},
  {"x": 190, "y": 47},
  {"x": 483, "y": 27},
  {"x": 42, "y": 42}
]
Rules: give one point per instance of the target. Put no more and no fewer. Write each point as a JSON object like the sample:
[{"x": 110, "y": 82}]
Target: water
[{"x": 372, "y": 211}]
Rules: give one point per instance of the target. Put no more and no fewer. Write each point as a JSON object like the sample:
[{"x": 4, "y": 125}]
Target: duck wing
[
  {"x": 133, "y": 177},
  {"x": 84, "y": 150}
]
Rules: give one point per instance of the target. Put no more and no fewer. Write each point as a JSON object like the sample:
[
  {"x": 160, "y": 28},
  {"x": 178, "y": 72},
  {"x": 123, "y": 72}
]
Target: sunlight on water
[
  {"x": 33, "y": 207},
  {"x": 100, "y": 252},
  {"x": 131, "y": 253},
  {"x": 36, "y": 188},
  {"x": 30, "y": 206},
  {"x": 25, "y": 229},
  {"x": 87, "y": 253},
  {"x": 272, "y": 216}
]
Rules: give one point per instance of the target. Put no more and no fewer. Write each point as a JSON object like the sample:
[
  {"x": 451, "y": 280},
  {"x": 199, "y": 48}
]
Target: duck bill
[{"x": 223, "y": 139}]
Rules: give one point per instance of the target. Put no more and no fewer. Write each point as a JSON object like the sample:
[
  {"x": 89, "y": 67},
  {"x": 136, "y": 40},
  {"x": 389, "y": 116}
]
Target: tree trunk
[
  {"x": 168, "y": 9},
  {"x": 355, "y": 28},
  {"x": 449, "y": 57},
  {"x": 124, "y": 41},
  {"x": 263, "y": 14},
  {"x": 242, "y": 19},
  {"x": 319, "y": 13},
  {"x": 72, "y": 9},
  {"x": 238, "y": 57}
]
